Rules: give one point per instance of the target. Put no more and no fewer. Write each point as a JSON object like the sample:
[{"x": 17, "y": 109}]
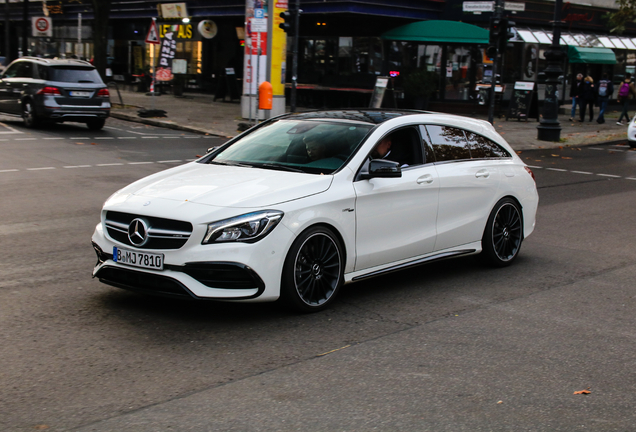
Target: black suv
[{"x": 43, "y": 90}]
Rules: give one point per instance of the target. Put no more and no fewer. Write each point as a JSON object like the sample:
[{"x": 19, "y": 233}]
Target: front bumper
[{"x": 237, "y": 271}]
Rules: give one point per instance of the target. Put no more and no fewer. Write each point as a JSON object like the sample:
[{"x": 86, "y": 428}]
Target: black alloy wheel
[
  {"x": 313, "y": 271},
  {"x": 28, "y": 115},
  {"x": 503, "y": 234}
]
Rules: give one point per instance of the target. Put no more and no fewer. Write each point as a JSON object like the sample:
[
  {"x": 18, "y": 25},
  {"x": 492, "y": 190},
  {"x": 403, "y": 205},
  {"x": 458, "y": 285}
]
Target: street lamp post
[{"x": 549, "y": 128}]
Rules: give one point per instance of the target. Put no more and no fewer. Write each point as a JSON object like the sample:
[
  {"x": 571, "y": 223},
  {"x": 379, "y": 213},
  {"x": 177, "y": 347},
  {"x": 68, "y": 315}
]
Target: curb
[{"x": 167, "y": 125}]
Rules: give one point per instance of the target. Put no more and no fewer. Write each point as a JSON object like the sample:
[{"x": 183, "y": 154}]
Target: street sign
[
  {"x": 41, "y": 27},
  {"x": 478, "y": 6},
  {"x": 153, "y": 34},
  {"x": 510, "y": 6}
]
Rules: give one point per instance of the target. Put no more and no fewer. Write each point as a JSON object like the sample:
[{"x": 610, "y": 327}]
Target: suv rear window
[{"x": 70, "y": 74}]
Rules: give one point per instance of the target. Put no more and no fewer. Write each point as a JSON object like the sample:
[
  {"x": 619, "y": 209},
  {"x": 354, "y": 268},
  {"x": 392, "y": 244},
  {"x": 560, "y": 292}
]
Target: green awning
[
  {"x": 439, "y": 31},
  {"x": 591, "y": 55}
]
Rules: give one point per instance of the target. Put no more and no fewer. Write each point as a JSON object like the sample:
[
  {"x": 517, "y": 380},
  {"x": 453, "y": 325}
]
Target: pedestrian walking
[
  {"x": 604, "y": 92},
  {"x": 575, "y": 91},
  {"x": 588, "y": 96},
  {"x": 626, "y": 91}
]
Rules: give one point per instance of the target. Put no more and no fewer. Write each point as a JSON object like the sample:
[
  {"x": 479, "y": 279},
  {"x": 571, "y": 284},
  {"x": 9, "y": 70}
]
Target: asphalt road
[{"x": 451, "y": 346}]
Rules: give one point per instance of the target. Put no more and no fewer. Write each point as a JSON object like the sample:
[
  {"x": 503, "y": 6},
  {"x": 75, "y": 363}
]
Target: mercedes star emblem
[{"x": 138, "y": 232}]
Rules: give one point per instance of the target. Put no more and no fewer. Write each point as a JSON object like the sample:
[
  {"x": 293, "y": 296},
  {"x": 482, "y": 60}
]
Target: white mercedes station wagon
[{"x": 303, "y": 203}]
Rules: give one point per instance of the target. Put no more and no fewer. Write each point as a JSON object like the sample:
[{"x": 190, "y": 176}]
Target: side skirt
[{"x": 420, "y": 261}]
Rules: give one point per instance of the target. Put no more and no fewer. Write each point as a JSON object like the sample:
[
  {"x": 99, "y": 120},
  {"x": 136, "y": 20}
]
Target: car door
[
  {"x": 468, "y": 185},
  {"x": 8, "y": 90},
  {"x": 395, "y": 217}
]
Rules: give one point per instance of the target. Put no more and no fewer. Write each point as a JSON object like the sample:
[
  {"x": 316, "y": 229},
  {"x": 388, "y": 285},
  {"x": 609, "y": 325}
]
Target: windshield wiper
[
  {"x": 213, "y": 162},
  {"x": 278, "y": 167}
]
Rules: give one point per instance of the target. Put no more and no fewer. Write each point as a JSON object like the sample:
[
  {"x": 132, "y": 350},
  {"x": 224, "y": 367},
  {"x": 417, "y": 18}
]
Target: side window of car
[
  {"x": 481, "y": 147},
  {"x": 428, "y": 147},
  {"x": 448, "y": 143},
  {"x": 25, "y": 70},
  {"x": 405, "y": 147},
  {"x": 11, "y": 71},
  {"x": 43, "y": 72}
]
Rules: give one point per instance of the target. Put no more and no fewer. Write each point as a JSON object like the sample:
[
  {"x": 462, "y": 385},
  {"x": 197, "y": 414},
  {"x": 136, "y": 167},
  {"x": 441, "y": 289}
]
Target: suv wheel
[
  {"x": 95, "y": 124},
  {"x": 31, "y": 120}
]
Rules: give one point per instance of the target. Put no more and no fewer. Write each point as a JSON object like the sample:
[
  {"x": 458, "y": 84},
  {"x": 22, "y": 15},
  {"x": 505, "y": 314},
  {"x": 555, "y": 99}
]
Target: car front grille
[{"x": 162, "y": 233}]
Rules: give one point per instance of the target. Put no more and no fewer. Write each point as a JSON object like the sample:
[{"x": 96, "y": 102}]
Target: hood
[{"x": 228, "y": 186}]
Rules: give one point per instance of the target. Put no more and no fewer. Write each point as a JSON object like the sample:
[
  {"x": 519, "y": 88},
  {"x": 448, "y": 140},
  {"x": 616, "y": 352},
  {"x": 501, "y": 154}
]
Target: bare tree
[{"x": 626, "y": 14}]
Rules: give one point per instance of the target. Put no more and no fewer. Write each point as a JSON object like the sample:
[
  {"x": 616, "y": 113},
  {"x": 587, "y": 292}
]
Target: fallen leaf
[
  {"x": 586, "y": 391},
  {"x": 519, "y": 152},
  {"x": 79, "y": 143},
  {"x": 561, "y": 147},
  {"x": 555, "y": 155},
  {"x": 565, "y": 157},
  {"x": 93, "y": 143},
  {"x": 499, "y": 402}
]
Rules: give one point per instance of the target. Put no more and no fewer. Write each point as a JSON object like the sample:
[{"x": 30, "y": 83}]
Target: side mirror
[{"x": 381, "y": 168}]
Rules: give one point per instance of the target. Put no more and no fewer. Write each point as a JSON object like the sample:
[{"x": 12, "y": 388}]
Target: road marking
[
  {"x": 556, "y": 169},
  {"x": 170, "y": 161},
  {"x": 78, "y": 166},
  {"x": 109, "y": 164},
  {"x": 581, "y": 172},
  {"x": 9, "y": 170},
  {"x": 103, "y": 138},
  {"x": 595, "y": 148},
  {"x": 39, "y": 169},
  {"x": 139, "y": 163},
  {"x": 609, "y": 175},
  {"x": 79, "y": 138},
  {"x": 55, "y": 138},
  {"x": 126, "y": 137},
  {"x": 149, "y": 137},
  {"x": 25, "y": 139},
  {"x": 190, "y": 136}
]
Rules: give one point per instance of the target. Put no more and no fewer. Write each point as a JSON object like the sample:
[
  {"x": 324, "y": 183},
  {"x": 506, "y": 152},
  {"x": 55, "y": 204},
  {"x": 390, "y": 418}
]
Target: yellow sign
[
  {"x": 279, "y": 50},
  {"x": 180, "y": 31}
]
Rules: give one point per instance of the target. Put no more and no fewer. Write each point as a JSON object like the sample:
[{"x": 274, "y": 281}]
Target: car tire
[
  {"x": 313, "y": 271},
  {"x": 503, "y": 235},
  {"x": 632, "y": 144},
  {"x": 96, "y": 124},
  {"x": 31, "y": 120}
]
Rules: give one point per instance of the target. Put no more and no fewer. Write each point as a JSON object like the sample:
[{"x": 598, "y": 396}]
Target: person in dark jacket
[
  {"x": 575, "y": 91},
  {"x": 625, "y": 98},
  {"x": 588, "y": 96},
  {"x": 604, "y": 93}
]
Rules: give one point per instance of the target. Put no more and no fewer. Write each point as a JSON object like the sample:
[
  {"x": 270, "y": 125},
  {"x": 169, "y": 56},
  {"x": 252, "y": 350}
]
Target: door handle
[
  {"x": 426, "y": 178},
  {"x": 482, "y": 174}
]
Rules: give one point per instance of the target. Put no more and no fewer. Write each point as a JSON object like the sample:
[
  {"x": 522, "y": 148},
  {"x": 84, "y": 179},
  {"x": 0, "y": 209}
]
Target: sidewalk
[{"x": 199, "y": 113}]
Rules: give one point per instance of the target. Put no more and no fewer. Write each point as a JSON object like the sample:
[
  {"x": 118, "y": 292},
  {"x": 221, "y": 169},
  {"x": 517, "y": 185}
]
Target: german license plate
[
  {"x": 80, "y": 94},
  {"x": 138, "y": 259}
]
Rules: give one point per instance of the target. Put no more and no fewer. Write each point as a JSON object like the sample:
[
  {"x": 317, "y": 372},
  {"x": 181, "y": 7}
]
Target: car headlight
[{"x": 249, "y": 228}]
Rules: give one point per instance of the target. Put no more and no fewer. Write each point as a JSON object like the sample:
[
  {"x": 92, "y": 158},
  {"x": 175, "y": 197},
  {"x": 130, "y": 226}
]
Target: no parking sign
[{"x": 42, "y": 27}]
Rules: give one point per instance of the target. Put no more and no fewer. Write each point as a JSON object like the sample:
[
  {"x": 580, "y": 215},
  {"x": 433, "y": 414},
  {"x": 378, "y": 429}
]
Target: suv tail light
[
  {"x": 51, "y": 91},
  {"x": 103, "y": 93}
]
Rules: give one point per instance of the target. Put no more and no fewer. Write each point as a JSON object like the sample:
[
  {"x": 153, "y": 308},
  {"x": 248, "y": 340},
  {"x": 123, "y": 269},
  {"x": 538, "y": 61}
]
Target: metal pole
[
  {"x": 25, "y": 27},
  {"x": 292, "y": 102},
  {"x": 258, "y": 60},
  {"x": 79, "y": 34},
  {"x": 549, "y": 128},
  {"x": 495, "y": 66},
  {"x": 249, "y": 89},
  {"x": 7, "y": 33}
]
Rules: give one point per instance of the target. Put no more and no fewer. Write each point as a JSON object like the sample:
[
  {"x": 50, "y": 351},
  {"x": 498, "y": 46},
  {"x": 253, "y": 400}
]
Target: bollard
[{"x": 265, "y": 96}]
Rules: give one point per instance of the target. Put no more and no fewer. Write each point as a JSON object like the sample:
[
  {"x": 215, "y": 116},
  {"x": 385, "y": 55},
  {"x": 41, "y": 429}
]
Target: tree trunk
[{"x": 101, "y": 11}]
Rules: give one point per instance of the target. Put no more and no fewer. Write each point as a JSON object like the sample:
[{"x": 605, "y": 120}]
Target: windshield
[{"x": 309, "y": 146}]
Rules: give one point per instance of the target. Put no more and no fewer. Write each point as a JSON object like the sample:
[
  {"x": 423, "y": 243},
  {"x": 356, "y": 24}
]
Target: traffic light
[
  {"x": 288, "y": 22},
  {"x": 491, "y": 51},
  {"x": 505, "y": 33},
  {"x": 495, "y": 31}
]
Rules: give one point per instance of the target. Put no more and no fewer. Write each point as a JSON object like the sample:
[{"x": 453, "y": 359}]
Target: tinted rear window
[{"x": 70, "y": 74}]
